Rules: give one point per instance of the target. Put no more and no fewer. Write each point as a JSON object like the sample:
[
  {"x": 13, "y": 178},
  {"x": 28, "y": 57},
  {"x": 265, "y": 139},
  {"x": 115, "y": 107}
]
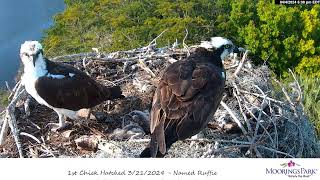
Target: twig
[
  {"x": 141, "y": 61},
  {"x": 275, "y": 133},
  {"x": 244, "y": 57},
  {"x": 4, "y": 130},
  {"x": 121, "y": 79},
  {"x": 10, "y": 120},
  {"x": 13, "y": 122},
  {"x": 139, "y": 140},
  {"x": 31, "y": 136},
  {"x": 299, "y": 88},
  {"x": 242, "y": 143},
  {"x": 241, "y": 110},
  {"x": 185, "y": 46},
  {"x": 73, "y": 56},
  {"x": 113, "y": 60},
  {"x": 231, "y": 147},
  {"x": 105, "y": 80},
  {"x": 299, "y": 153},
  {"x": 258, "y": 122},
  {"x": 287, "y": 97},
  {"x": 146, "y": 68},
  {"x": 26, "y": 105},
  {"x": 34, "y": 124},
  {"x": 17, "y": 86},
  {"x": 155, "y": 39},
  {"x": 257, "y": 152},
  {"x": 274, "y": 150},
  {"x": 234, "y": 117},
  {"x": 47, "y": 150},
  {"x": 5, "y": 125},
  {"x": 8, "y": 87},
  {"x": 84, "y": 64},
  {"x": 234, "y": 141},
  {"x": 258, "y": 146},
  {"x": 175, "y": 44},
  {"x": 133, "y": 59},
  {"x": 263, "y": 106},
  {"x": 261, "y": 96},
  {"x": 230, "y": 67}
]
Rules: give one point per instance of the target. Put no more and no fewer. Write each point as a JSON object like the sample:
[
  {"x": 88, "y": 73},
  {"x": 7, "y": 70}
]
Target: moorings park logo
[{"x": 292, "y": 169}]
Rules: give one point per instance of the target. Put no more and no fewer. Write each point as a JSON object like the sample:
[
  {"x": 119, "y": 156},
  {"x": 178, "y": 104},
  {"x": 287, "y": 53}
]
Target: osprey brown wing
[
  {"x": 76, "y": 90},
  {"x": 187, "y": 96}
]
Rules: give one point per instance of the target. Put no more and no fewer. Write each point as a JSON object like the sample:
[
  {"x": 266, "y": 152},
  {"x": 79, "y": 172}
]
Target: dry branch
[
  {"x": 242, "y": 62},
  {"x": 153, "y": 42},
  {"x": 31, "y": 136},
  {"x": 8, "y": 87},
  {"x": 10, "y": 120},
  {"x": 74, "y": 56},
  {"x": 234, "y": 117}
]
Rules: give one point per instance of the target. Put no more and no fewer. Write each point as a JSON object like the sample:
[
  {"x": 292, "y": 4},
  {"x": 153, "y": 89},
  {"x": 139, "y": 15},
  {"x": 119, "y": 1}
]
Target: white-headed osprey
[
  {"x": 61, "y": 87},
  {"x": 188, "y": 94}
]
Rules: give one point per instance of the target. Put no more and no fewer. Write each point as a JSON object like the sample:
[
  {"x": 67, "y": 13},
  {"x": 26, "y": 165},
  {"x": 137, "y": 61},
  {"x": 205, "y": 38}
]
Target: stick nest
[{"x": 258, "y": 116}]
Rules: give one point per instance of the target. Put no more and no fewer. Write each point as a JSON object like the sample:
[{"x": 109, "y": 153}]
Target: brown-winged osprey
[
  {"x": 188, "y": 94},
  {"x": 61, "y": 87}
]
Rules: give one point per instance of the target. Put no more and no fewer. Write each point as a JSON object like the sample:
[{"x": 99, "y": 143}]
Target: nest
[{"x": 254, "y": 119}]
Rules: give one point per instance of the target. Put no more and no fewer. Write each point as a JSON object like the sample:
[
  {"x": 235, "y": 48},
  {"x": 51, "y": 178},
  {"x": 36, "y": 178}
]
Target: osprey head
[
  {"x": 30, "y": 51},
  {"x": 222, "y": 46}
]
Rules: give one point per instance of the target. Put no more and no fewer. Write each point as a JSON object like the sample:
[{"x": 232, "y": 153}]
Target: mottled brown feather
[{"x": 188, "y": 94}]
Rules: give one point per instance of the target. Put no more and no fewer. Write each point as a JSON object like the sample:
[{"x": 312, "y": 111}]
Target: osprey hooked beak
[
  {"x": 32, "y": 57},
  {"x": 30, "y": 51},
  {"x": 236, "y": 49}
]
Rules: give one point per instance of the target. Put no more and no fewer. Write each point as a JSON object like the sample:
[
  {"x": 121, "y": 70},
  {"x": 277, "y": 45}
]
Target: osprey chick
[
  {"x": 188, "y": 95},
  {"x": 61, "y": 87}
]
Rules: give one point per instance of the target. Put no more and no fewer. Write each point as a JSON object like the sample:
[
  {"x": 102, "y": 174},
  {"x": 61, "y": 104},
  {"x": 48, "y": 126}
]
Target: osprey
[
  {"x": 61, "y": 87},
  {"x": 188, "y": 94}
]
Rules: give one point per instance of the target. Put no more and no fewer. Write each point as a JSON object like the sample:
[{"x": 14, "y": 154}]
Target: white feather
[
  {"x": 223, "y": 75},
  {"x": 69, "y": 113},
  {"x": 29, "y": 82},
  {"x": 206, "y": 44},
  {"x": 30, "y": 47},
  {"x": 31, "y": 75},
  {"x": 224, "y": 54},
  {"x": 219, "y": 41},
  {"x": 71, "y": 74},
  {"x": 56, "y": 76},
  {"x": 215, "y": 42}
]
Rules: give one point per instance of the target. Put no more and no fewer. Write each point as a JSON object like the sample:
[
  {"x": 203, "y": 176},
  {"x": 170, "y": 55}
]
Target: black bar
[{"x": 297, "y": 2}]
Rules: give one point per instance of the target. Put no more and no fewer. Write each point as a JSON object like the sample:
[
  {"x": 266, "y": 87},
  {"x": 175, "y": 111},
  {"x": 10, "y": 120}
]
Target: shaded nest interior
[{"x": 256, "y": 121}]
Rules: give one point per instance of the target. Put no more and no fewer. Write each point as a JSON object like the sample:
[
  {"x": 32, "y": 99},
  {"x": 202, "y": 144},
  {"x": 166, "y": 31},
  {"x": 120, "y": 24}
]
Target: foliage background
[
  {"x": 283, "y": 36},
  {"x": 3, "y": 98}
]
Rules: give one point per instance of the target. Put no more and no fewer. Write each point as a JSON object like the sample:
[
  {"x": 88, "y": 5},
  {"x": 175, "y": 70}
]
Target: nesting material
[{"x": 255, "y": 119}]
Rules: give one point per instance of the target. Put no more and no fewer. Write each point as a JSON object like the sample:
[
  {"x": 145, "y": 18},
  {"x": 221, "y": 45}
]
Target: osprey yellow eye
[{"x": 227, "y": 46}]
